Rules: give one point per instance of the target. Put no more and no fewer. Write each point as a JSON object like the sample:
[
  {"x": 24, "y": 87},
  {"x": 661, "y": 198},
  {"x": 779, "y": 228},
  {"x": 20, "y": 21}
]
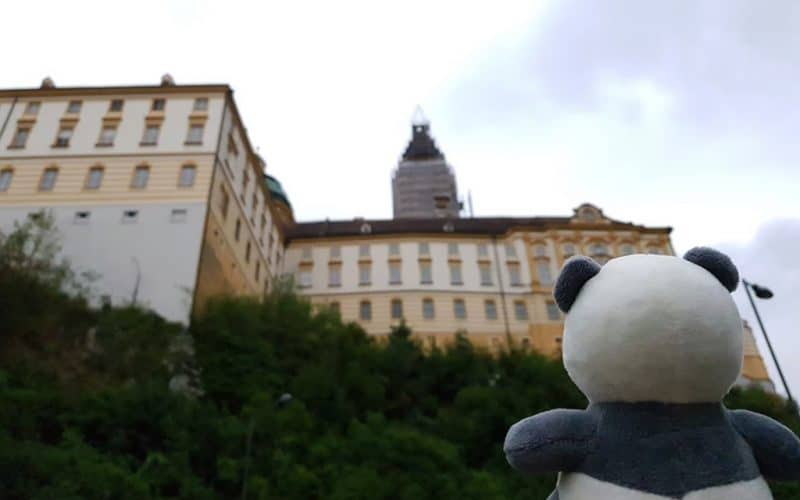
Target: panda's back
[
  {"x": 667, "y": 450},
  {"x": 577, "y": 486}
]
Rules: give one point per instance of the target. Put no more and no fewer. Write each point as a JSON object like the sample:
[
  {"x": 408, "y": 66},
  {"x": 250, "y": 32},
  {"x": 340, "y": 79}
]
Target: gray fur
[
  {"x": 776, "y": 448},
  {"x": 717, "y": 263},
  {"x": 659, "y": 448},
  {"x": 575, "y": 273}
]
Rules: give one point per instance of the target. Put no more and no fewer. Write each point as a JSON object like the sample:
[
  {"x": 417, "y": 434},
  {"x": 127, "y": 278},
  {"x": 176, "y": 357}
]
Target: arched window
[
  {"x": 48, "y": 180},
  {"x": 94, "y": 178},
  {"x": 187, "y": 176},
  {"x": 141, "y": 174}
]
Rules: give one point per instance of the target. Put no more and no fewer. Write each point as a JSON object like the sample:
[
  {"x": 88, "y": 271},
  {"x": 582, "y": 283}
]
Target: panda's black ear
[
  {"x": 717, "y": 263},
  {"x": 575, "y": 273}
]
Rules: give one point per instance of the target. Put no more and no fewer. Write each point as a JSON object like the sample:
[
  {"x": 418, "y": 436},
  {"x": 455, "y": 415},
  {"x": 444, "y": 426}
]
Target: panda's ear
[
  {"x": 575, "y": 273},
  {"x": 717, "y": 263}
]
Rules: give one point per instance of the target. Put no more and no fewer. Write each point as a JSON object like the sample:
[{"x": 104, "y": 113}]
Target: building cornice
[{"x": 117, "y": 90}]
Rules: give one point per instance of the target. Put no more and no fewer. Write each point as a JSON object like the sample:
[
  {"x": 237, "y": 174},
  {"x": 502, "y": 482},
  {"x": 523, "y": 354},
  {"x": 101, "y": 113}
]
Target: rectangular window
[
  {"x": 258, "y": 270},
  {"x": 178, "y": 215},
  {"x": 452, "y": 249},
  {"x": 187, "y": 176},
  {"x": 364, "y": 274},
  {"x": 491, "y": 309},
  {"x": 511, "y": 251},
  {"x": 195, "y": 135},
  {"x": 158, "y": 105},
  {"x": 245, "y": 181},
  {"x": 32, "y": 108},
  {"x": 455, "y": 274},
  {"x": 95, "y": 178},
  {"x": 335, "y": 253},
  {"x": 107, "y": 136},
  {"x": 130, "y": 216},
  {"x": 20, "y": 137},
  {"x": 306, "y": 253},
  {"x": 397, "y": 309},
  {"x": 334, "y": 307},
  {"x": 237, "y": 232},
  {"x": 201, "y": 104},
  {"x": 513, "y": 275},
  {"x": 304, "y": 278},
  {"x": 626, "y": 249},
  {"x": 394, "y": 250},
  {"x": 140, "y": 176},
  {"x": 553, "y": 313},
  {"x": 63, "y": 137},
  {"x": 363, "y": 250},
  {"x": 394, "y": 273},
  {"x": 224, "y": 202},
  {"x": 425, "y": 275},
  {"x": 116, "y": 105},
  {"x": 424, "y": 248},
  {"x": 428, "y": 312},
  {"x": 74, "y": 107},
  {"x": 232, "y": 148},
  {"x": 540, "y": 251},
  {"x": 48, "y": 180},
  {"x": 81, "y": 218},
  {"x": 483, "y": 250},
  {"x": 365, "y": 310},
  {"x": 459, "y": 309},
  {"x": 247, "y": 250},
  {"x": 150, "y": 136},
  {"x": 486, "y": 274},
  {"x": 520, "y": 311},
  {"x": 335, "y": 276},
  {"x": 5, "y": 179},
  {"x": 569, "y": 250},
  {"x": 543, "y": 268}
]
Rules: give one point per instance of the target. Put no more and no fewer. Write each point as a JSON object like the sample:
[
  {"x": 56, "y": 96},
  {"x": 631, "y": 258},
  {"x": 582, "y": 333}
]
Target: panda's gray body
[{"x": 654, "y": 342}]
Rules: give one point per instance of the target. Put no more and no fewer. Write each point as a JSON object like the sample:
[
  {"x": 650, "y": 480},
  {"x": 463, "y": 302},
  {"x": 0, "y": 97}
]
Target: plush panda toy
[{"x": 654, "y": 342}]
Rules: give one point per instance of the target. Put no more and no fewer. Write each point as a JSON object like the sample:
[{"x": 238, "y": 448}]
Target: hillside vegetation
[{"x": 116, "y": 403}]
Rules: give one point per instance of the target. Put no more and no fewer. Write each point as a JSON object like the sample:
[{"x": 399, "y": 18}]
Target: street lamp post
[{"x": 765, "y": 293}]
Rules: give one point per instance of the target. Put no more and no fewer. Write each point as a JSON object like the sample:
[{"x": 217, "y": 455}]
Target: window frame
[
  {"x": 195, "y": 139},
  {"x": 154, "y": 141},
  {"x": 184, "y": 168},
  {"x": 490, "y": 305},
  {"x": 134, "y": 180},
  {"x": 396, "y": 309},
  {"x": 15, "y": 142},
  {"x": 365, "y": 310},
  {"x": 426, "y": 313},
  {"x": 61, "y": 142},
  {"x": 48, "y": 188},
  {"x": 6, "y": 178},
  {"x": 459, "y": 309},
  {"x": 520, "y": 310},
  {"x": 88, "y": 184}
]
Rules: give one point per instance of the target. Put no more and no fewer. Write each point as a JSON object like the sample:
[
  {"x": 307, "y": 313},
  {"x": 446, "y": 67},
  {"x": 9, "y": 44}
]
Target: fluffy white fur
[
  {"x": 583, "y": 487},
  {"x": 653, "y": 328}
]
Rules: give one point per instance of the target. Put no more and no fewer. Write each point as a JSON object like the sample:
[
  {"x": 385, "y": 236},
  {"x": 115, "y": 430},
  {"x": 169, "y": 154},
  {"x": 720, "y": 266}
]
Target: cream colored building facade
[{"x": 155, "y": 188}]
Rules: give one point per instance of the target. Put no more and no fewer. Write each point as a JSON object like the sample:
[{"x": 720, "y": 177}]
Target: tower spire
[{"x": 419, "y": 117}]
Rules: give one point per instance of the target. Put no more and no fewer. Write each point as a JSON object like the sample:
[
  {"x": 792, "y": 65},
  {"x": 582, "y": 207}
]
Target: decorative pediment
[{"x": 587, "y": 213}]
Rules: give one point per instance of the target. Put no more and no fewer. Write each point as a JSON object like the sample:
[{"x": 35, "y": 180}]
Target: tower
[{"x": 423, "y": 185}]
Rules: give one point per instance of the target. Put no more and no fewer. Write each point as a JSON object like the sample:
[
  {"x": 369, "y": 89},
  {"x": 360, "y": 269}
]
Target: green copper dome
[{"x": 276, "y": 190}]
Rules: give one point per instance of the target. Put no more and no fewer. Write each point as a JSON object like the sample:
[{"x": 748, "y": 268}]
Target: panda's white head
[{"x": 651, "y": 327}]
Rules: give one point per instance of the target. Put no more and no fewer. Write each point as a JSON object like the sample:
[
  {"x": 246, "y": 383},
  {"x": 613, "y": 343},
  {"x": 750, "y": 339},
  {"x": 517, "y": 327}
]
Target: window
[
  {"x": 130, "y": 216},
  {"x": 363, "y": 250},
  {"x": 95, "y": 178},
  {"x": 486, "y": 274},
  {"x": 224, "y": 202},
  {"x": 258, "y": 270},
  {"x": 178, "y": 215},
  {"x": 491, "y": 309},
  {"x": 107, "y": 136},
  {"x": 48, "y": 180},
  {"x": 335, "y": 276},
  {"x": 247, "y": 250},
  {"x": 5, "y": 179},
  {"x": 195, "y": 135},
  {"x": 32, "y": 108},
  {"x": 186, "y": 179},
  {"x": 116, "y": 105},
  {"x": 364, "y": 274},
  {"x": 394, "y": 249},
  {"x": 452, "y": 249},
  {"x": 306, "y": 253},
  {"x": 63, "y": 137},
  {"x": 526, "y": 344},
  {"x": 334, "y": 307},
  {"x": 455, "y": 274},
  {"x": 483, "y": 250},
  {"x": 428, "y": 311},
  {"x": 81, "y": 218},
  {"x": 365, "y": 310},
  {"x": 513, "y": 274},
  {"x": 545, "y": 277},
  {"x": 74, "y": 107},
  {"x": 201, "y": 104},
  {"x": 394, "y": 273},
  {"x": 424, "y": 248},
  {"x": 335, "y": 252},
  {"x": 520, "y": 311},
  {"x": 425, "y": 275},
  {"x": 232, "y": 149},
  {"x": 304, "y": 278},
  {"x": 553, "y": 312},
  {"x": 569, "y": 250},
  {"x": 245, "y": 181},
  {"x": 459, "y": 309},
  {"x": 158, "y": 105},
  {"x": 540, "y": 251},
  {"x": 150, "y": 137},
  {"x": 626, "y": 249},
  {"x": 140, "y": 176},
  {"x": 511, "y": 251},
  {"x": 20, "y": 137},
  {"x": 238, "y": 230},
  {"x": 599, "y": 252},
  {"x": 654, "y": 251},
  {"x": 397, "y": 309}
]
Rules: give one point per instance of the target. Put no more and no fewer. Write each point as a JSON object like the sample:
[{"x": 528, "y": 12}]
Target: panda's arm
[
  {"x": 553, "y": 441},
  {"x": 776, "y": 448}
]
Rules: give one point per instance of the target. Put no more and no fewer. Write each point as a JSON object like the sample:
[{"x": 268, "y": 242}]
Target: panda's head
[{"x": 651, "y": 327}]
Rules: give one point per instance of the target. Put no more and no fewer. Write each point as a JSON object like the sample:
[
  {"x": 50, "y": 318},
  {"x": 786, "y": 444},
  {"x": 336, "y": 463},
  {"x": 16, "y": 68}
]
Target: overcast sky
[{"x": 680, "y": 113}]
